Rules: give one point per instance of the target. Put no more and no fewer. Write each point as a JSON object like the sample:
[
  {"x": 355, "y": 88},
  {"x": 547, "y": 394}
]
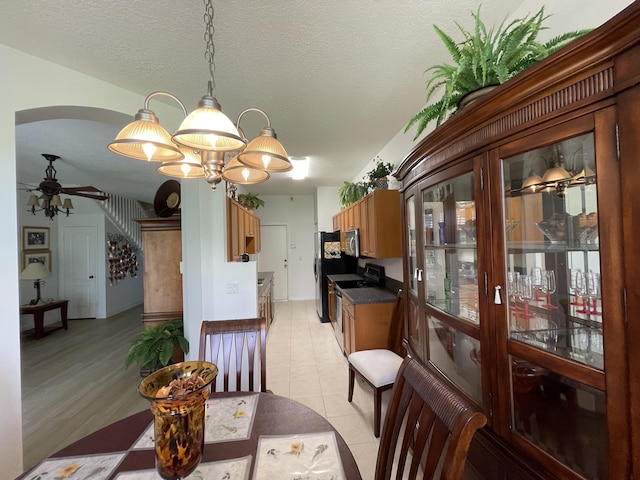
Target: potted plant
[
  {"x": 250, "y": 201},
  {"x": 485, "y": 58},
  {"x": 377, "y": 177},
  {"x": 155, "y": 346},
  {"x": 352, "y": 192}
]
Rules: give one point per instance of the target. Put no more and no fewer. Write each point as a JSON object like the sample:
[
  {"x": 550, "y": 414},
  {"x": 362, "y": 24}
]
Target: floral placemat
[
  {"x": 94, "y": 467},
  {"x": 234, "y": 469},
  {"x": 294, "y": 457},
  {"x": 227, "y": 419}
]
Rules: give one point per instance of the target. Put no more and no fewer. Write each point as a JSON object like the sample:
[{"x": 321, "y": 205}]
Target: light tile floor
[{"x": 305, "y": 363}]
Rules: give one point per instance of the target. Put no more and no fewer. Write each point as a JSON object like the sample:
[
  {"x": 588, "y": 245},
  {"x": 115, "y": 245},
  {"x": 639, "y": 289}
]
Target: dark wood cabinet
[{"x": 520, "y": 255}]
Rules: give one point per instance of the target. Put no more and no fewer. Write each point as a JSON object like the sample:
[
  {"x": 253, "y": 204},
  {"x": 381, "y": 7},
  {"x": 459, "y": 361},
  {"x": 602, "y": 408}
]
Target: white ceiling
[{"x": 339, "y": 78}]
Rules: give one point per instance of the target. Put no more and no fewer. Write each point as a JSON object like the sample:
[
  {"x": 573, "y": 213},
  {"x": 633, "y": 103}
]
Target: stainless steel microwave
[{"x": 352, "y": 242}]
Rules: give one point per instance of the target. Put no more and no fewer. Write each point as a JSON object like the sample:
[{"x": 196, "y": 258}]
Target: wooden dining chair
[
  {"x": 379, "y": 367},
  {"x": 233, "y": 345},
  {"x": 428, "y": 427}
]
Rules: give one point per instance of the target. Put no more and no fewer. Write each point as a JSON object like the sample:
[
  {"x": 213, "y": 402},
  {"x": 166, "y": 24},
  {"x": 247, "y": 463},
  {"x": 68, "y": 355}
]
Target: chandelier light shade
[
  {"x": 146, "y": 139},
  {"x": 556, "y": 174},
  {"x": 207, "y": 128},
  {"x": 264, "y": 152},
  {"x": 236, "y": 172},
  {"x": 533, "y": 183},
  {"x": 189, "y": 167}
]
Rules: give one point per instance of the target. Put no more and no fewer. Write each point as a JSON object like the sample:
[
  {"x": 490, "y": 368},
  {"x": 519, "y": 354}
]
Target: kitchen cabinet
[
  {"x": 243, "y": 231},
  {"x": 516, "y": 248},
  {"x": 378, "y": 217},
  {"x": 332, "y": 302},
  {"x": 162, "y": 280},
  {"x": 366, "y": 325}
]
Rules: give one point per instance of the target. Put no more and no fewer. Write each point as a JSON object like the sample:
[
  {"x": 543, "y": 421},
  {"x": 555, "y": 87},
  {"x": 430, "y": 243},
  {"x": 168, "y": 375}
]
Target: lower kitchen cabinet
[{"x": 366, "y": 325}]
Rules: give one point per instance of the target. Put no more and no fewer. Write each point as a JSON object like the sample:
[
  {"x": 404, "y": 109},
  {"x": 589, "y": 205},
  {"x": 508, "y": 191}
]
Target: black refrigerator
[{"x": 328, "y": 260}]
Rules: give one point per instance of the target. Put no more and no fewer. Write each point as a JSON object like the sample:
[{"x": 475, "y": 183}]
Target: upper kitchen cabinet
[
  {"x": 521, "y": 268},
  {"x": 378, "y": 216},
  {"x": 243, "y": 231}
]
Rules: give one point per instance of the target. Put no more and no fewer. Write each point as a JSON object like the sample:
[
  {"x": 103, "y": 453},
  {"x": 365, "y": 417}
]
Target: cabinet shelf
[{"x": 545, "y": 247}]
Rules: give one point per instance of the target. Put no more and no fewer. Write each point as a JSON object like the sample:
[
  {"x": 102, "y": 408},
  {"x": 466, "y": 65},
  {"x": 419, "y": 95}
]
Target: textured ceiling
[{"x": 339, "y": 78}]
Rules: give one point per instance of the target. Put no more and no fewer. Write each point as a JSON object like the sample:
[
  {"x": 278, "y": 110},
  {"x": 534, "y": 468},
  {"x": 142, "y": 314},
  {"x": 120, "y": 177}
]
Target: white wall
[
  {"x": 327, "y": 205},
  {"x": 297, "y": 213}
]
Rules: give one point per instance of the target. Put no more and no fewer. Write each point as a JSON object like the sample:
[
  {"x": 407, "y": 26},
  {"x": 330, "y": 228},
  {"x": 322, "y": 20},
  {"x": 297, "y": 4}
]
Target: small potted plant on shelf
[
  {"x": 351, "y": 192},
  {"x": 250, "y": 200},
  {"x": 377, "y": 177},
  {"x": 484, "y": 59},
  {"x": 156, "y": 347}
]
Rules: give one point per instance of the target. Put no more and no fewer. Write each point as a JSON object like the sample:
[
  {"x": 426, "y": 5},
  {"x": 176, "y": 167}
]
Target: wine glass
[
  {"x": 574, "y": 275},
  {"x": 580, "y": 289},
  {"x": 536, "y": 280},
  {"x": 593, "y": 292},
  {"x": 548, "y": 287},
  {"x": 525, "y": 292},
  {"x": 512, "y": 288}
]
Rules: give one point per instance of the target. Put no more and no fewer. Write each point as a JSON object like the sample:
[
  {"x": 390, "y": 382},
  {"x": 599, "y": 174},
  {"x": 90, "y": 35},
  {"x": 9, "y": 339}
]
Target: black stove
[{"x": 373, "y": 277}]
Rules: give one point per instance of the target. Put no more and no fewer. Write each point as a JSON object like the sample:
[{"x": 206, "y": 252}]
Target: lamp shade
[
  {"x": 207, "y": 128},
  {"x": 265, "y": 152},
  {"x": 556, "y": 174},
  {"x": 67, "y": 204},
  {"x": 33, "y": 201},
  {"x": 533, "y": 183},
  {"x": 236, "y": 172},
  {"x": 145, "y": 139},
  {"x": 35, "y": 271}
]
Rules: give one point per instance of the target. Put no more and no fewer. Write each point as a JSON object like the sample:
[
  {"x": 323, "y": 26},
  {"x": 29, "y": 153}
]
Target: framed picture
[
  {"x": 35, "y": 238},
  {"x": 42, "y": 257}
]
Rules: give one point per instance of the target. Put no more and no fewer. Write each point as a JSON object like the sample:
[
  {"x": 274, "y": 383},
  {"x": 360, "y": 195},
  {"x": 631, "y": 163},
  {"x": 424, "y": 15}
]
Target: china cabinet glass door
[
  {"x": 554, "y": 306},
  {"x": 449, "y": 281}
]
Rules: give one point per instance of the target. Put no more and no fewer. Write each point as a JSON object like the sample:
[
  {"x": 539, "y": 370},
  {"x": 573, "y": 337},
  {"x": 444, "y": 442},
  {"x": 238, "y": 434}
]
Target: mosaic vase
[{"x": 178, "y": 419}]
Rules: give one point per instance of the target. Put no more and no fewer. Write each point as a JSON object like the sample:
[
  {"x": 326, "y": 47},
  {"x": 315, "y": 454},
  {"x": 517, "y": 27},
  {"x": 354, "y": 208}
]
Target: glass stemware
[
  {"x": 513, "y": 279},
  {"x": 593, "y": 292},
  {"x": 525, "y": 292},
  {"x": 574, "y": 279},
  {"x": 548, "y": 287},
  {"x": 536, "y": 281}
]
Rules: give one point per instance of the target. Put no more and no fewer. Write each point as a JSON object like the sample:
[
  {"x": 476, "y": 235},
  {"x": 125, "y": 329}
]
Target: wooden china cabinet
[{"x": 522, "y": 266}]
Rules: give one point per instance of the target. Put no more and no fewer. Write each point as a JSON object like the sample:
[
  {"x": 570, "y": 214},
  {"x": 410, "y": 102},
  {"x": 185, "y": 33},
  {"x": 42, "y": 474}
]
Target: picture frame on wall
[
  {"x": 35, "y": 238},
  {"x": 42, "y": 257}
]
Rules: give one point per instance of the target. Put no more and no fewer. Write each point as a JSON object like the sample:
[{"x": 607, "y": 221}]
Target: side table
[{"x": 38, "y": 315}]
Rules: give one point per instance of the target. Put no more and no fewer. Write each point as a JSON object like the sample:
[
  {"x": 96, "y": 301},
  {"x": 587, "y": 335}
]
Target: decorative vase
[
  {"x": 381, "y": 183},
  {"x": 179, "y": 418}
]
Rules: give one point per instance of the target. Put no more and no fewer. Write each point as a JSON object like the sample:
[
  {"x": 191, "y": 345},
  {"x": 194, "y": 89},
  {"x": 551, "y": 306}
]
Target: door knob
[{"x": 90, "y": 276}]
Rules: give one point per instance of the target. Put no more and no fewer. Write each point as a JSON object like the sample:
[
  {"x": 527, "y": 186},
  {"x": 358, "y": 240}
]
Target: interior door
[
  {"x": 78, "y": 269},
  {"x": 273, "y": 258}
]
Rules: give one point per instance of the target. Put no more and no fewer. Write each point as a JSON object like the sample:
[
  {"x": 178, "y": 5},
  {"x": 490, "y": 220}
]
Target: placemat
[
  {"x": 291, "y": 457},
  {"x": 226, "y": 419},
  {"x": 234, "y": 469},
  {"x": 94, "y": 467}
]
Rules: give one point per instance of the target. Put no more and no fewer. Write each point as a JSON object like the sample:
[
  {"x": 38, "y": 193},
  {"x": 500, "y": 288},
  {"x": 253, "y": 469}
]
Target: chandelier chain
[{"x": 208, "y": 38}]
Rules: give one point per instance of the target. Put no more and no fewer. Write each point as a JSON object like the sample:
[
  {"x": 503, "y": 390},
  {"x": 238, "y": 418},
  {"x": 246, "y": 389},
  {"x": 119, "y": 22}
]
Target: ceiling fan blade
[
  {"x": 87, "y": 195},
  {"x": 82, "y": 189}
]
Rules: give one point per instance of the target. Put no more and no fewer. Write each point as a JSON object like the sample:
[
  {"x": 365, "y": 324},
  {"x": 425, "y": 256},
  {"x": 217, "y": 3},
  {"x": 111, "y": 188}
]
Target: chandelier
[{"x": 207, "y": 143}]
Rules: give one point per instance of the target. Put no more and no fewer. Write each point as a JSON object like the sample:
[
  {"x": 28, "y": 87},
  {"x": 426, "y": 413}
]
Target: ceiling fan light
[
  {"x": 55, "y": 201},
  {"x": 145, "y": 139},
  {"x": 265, "y": 152},
  {"x": 207, "y": 128},
  {"x": 33, "y": 201},
  {"x": 67, "y": 204},
  {"x": 236, "y": 172}
]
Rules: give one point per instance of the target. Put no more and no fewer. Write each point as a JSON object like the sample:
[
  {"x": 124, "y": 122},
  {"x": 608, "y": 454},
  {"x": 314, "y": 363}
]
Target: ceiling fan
[{"x": 50, "y": 190}]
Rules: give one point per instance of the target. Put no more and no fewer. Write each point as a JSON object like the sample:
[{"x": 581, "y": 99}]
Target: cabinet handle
[
  {"x": 419, "y": 275},
  {"x": 497, "y": 299}
]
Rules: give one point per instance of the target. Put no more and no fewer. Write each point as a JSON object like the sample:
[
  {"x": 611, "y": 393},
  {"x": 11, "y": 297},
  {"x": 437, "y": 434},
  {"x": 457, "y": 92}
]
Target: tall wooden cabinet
[
  {"x": 162, "y": 249},
  {"x": 521, "y": 261}
]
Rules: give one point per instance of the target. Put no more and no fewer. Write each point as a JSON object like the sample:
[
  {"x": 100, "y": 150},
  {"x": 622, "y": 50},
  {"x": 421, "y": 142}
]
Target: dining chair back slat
[
  {"x": 428, "y": 427},
  {"x": 238, "y": 337}
]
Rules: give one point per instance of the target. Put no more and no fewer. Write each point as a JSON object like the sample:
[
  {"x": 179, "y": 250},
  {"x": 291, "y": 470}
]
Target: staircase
[{"x": 122, "y": 212}]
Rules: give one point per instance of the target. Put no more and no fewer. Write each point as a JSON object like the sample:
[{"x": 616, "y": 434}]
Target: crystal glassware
[
  {"x": 179, "y": 416},
  {"x": 512, "y": 289},
  {"x": 593, "y": 292},
  {"x": 536, "y": 281},
  {"x": 548, "y": 286},
  {"x": 575, "y": 285},
  {"x": 525, "y": 292}
]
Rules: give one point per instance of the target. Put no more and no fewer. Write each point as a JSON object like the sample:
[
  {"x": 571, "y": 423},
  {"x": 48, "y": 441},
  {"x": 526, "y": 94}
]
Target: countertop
[
  {"x": 362, "y": 295},
  {"x": 266, "y": 283}
]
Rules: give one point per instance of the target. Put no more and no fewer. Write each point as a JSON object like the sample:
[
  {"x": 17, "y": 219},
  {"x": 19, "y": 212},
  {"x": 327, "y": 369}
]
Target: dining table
[{"x": 248, "y": 435}]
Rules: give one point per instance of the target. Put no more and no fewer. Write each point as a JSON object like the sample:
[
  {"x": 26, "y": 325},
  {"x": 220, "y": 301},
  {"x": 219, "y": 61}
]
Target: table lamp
[{"x": 35, "y": 271}]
